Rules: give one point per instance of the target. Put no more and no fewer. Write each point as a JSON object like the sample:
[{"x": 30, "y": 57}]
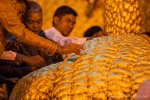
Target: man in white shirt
[{"x": 64, "y": 20}]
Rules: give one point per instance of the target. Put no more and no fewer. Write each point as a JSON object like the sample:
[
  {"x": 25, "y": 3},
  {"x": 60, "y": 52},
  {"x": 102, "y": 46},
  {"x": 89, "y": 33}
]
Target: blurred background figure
[
  {"x": 64, "y": 20},
  {"x": 94, "y": 31}
]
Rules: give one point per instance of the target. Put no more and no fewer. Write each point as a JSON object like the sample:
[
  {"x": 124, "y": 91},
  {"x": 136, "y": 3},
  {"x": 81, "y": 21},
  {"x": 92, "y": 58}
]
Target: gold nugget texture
[
  {"x": 110, "y": 68},
  {"x": 123, "y": 17}
]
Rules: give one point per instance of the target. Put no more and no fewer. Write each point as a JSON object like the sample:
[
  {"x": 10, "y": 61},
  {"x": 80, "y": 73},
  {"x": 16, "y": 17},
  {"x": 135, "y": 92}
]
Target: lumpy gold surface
[{"x": 110, "y": 68}]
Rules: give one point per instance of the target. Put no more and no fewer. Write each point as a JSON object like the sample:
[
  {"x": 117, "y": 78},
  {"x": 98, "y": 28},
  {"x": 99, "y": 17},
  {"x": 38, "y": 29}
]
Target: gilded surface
[
  {"x": 145, "y": 12},
  {"x": 109, "y": 68},
  {"x": 122, "y": 17}
]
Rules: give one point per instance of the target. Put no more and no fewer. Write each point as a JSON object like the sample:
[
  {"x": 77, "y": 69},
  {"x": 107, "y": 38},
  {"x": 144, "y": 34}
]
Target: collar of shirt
[
  {"x": 41, "y": 33},
  {"x": 54, "y": 35},
  {"x": 52, "y": 32}
]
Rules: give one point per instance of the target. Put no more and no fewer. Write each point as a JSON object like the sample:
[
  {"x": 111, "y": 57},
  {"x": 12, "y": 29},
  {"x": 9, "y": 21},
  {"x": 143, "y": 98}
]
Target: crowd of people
[{"x": 25, "y": 47}]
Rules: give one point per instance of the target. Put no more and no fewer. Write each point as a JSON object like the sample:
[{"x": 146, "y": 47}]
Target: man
[
  {"x": 10, "y": 22},
  {"x": 33, "y": 21},
  {"x": 64, "y": 20}
]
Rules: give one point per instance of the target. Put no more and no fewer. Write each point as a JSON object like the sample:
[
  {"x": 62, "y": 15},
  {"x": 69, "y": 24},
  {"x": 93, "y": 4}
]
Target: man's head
[
  {"x": 20, "y": 6},
  {"x": 64, "y": 20},
  {"x": 94, "y": 31},
  {"x": 33, "y": 17}
]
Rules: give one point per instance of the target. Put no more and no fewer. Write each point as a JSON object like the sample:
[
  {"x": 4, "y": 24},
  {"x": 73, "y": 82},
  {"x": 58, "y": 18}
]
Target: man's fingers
[
  {"x": 1, "y": 90},
  {"x": 39, "y": 61},
  {"x": 79, "y": 46},
  {"x": 77, "y": 51},
  {"x": 76, "y": 48},
  {"x": 82, "y": 48},
  {"x": 4, "y": 86},
  {"x": 70, "y": 48},
  {"x": 1, "y": 96},
  {"x": 37, "y": 64},
  {"x": 3, "y": 93},
  {"x": 42, "y": 62},
  {"x": 16, "y": 79}
]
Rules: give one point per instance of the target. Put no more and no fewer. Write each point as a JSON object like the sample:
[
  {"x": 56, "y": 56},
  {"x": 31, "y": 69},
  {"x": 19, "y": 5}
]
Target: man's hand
[
  {"x": 3, "y": 93},
  {"x": 13, "y": 46},
  {"x": 70, "y": 48},
  {"x": 89, "y": 38},
  {"x": 34, "y": 61},
  {"x": 11, "y": 80}
]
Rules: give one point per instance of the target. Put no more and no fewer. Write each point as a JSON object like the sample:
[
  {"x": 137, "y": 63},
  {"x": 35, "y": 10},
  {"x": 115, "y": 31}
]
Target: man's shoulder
[{"x": 49, "y": 29}]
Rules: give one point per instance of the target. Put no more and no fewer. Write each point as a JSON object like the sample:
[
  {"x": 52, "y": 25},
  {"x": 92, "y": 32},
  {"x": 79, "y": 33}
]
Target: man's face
[
  {"x": 20, "y": 9},
  {"x": 65, "y": 24},
  {"x": 34, "y": 21}
]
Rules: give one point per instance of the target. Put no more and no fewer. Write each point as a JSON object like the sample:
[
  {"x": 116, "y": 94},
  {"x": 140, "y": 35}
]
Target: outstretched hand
[
  {"x": 70, "y": 48},
  {"x": 35, "y": 61},
  {"x": 12, "y": 80}
]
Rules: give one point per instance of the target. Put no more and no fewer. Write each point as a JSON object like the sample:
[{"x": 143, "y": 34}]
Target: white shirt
[{"x": 54, "y": 35}]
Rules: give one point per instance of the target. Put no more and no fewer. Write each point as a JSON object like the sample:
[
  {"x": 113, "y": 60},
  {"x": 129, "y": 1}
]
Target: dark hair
[
  {"x": 94, "y": 29},
  {"x": 63, "y": 10},
  {"x": 147, "y": 33},
  {"x": 34, "y": 7}
]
